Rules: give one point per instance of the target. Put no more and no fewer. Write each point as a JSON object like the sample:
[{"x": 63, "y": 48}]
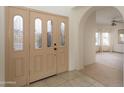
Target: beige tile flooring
[
  {"x": 111, "y": 66},
  {"x": 67, "y": 79},
  {"x": 106, "y": 75}
]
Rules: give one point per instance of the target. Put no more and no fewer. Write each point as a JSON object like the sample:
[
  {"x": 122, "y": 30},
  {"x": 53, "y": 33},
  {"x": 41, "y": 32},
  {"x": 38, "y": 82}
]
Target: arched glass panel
[
  {"x": 62, "y": 34},
  {"x": 49, "y": 33},
  {"x": 18, "y": 32},
  {"x": 38, "y": 33}
]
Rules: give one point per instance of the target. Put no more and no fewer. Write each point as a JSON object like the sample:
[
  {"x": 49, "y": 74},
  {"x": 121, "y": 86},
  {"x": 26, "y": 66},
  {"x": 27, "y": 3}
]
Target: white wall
[
  {"x": 2, "y": 47},
  {"x": 76, "y": 38},
  {"x": 89, "y": 39}
]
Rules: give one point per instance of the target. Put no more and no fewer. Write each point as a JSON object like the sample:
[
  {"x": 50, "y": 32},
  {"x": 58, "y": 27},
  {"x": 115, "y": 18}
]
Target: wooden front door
[
  {"x": 38, "y": 66},
  {"x": 42, "y": 38},
  {"x": 62, "y": 44},
  {"x": 51, "y": 39},
  {"x": 36, "y": 45}
]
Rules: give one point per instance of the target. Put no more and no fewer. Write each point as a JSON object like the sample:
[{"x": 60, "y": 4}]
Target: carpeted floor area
[{"x": 107, "y": 69}]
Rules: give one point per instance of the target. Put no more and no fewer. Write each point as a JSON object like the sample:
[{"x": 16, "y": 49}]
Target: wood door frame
[{"x": 7, "y": 36}]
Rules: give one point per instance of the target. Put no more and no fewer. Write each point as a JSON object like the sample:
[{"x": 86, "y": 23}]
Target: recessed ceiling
[{"x": 106, "y": 15}]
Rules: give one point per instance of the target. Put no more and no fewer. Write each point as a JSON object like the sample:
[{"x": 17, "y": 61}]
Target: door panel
[
  {"x": 43, "y": 59},
  {"x": 19, "y": 67},
  {"x": 38, "y": 65},
  {"x": 18, "y": 46},
  {"x": 50, "y": 52},
  {"x": 62, "y": 45},
  {"x": 51, "y": 64}
]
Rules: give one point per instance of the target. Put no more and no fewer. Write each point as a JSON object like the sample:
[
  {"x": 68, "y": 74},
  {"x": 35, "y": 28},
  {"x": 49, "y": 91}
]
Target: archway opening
[{"x": 99, "y": 45}]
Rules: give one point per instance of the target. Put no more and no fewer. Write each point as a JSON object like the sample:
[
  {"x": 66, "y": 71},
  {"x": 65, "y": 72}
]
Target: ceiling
[{"x": 106, "y": 15}]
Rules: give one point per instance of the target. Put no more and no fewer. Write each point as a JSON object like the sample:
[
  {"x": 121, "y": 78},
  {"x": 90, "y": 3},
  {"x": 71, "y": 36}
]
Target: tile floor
[
  {"x": 112, "y": 59},
  {"x": 108, "y": 76},
  {"x": 67, "y": 79}
]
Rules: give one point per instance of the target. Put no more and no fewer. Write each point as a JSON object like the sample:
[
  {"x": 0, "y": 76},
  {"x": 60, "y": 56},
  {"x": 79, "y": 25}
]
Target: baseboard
[
  {"x": 112, "y": 51},
  {"x": 118, "y": 52}
]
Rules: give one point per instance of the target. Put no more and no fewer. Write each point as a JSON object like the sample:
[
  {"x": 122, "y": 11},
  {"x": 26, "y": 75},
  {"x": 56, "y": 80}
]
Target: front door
[
  {"x": 62, "y": 44},
  {"x": 36, "y": 45},
  {"x": 42, "y": 39}
]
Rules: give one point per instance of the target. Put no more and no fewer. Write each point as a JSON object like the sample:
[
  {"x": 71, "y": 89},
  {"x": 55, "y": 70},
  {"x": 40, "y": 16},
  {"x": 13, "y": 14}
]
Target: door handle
[{"x": 55, "y": 48}]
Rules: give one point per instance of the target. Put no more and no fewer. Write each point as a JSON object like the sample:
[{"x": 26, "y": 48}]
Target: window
[
  {"x": 121, "y": 36},
  {"x": 97, "y": 38},
  {"x": 105, "y": 39},
  {"x": 18, "y": 32},
  {"x": 62, "y": 36},
  {"x": 49, "y": 33},
  {"x": 38, "y": 33}
]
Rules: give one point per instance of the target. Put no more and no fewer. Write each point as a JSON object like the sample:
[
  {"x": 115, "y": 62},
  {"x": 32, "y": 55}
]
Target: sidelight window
[{"x": 18, "y": 32}]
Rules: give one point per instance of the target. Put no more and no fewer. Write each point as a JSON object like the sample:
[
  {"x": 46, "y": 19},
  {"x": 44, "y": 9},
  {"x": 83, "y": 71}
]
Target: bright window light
[
  {"x": 105, "y": 39},
  {"x": 97, "y": 38},
  {"x": 122, "y": 37}
]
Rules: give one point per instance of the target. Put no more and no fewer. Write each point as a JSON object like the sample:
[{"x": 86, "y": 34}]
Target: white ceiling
[{"x": 106, "y": 15}]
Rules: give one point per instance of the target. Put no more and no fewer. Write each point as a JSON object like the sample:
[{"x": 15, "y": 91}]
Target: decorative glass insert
[
  {"x": 38, "y": 33},
  {"x": 18, "y": 32},
  {"x": 49, "y": 33},
  {"x": 62, "y": 34}
]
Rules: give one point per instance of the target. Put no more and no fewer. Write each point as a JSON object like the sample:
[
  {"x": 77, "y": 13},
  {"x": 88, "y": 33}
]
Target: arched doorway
[
  {"x": 82, "y": 21},
  {"x": 87, "y": 48}
]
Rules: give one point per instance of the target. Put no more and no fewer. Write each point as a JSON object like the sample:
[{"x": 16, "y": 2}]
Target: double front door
[{"x": 36, "y": 45}]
